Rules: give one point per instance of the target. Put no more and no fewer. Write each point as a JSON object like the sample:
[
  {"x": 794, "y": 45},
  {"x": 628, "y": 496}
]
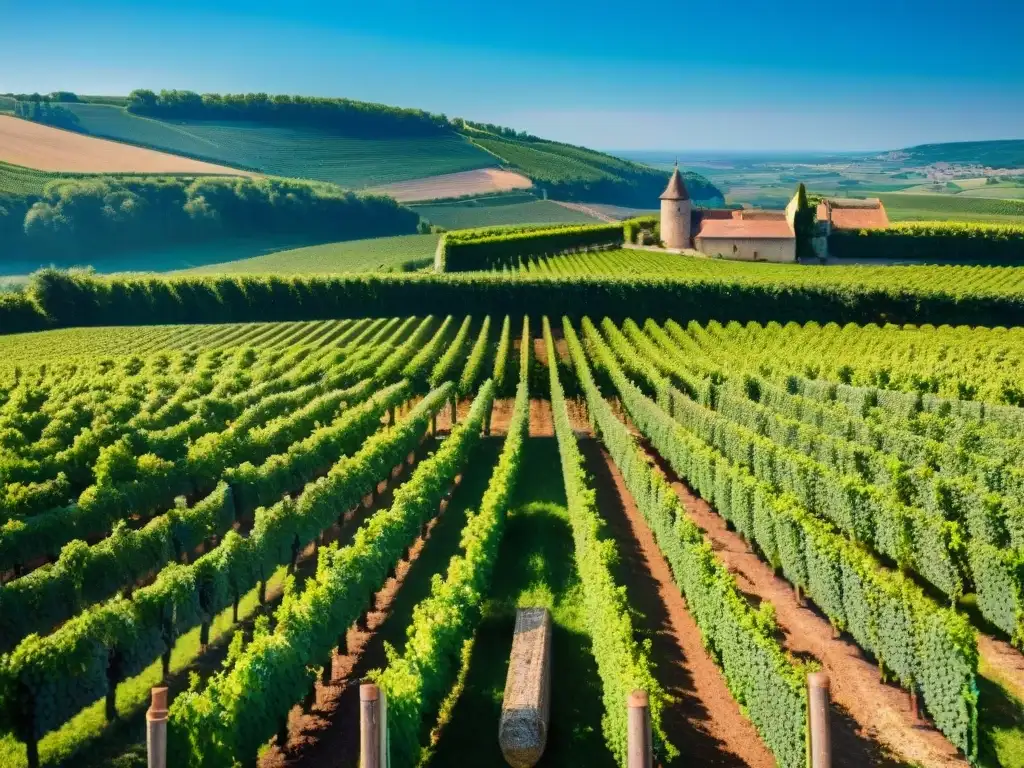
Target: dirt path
[
  {"x": 587, "y": 210},
  {"x": 705, "y": 722},
  {"x": 448, "y": 185},
  {"x": 865, "y": 710}
]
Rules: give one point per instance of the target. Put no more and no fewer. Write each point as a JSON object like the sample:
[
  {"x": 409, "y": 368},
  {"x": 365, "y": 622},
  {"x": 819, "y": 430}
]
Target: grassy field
[
  {"x": 253, "y": 255},
  {"x": 535, "y": 568},
  {"x": 376, "y": 255},
  {"x": 505, "y": 209},
  {"x": 909, "y": 207},
  {"x": 293, "y": 152}
]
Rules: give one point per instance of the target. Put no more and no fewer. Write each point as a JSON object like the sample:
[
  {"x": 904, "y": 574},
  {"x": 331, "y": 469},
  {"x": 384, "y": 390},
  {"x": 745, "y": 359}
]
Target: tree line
[
  {"x": 357, "y": 118},
  {"x": 76, "y": 218}
]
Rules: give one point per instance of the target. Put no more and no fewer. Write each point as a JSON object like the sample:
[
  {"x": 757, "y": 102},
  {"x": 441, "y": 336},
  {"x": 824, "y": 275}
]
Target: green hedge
[
  {"x": 631, "y": 227},
  {"x": 494, "y": 248},
  {"x": 75, "y": 299},
  {"x": 932, "y": 241}
]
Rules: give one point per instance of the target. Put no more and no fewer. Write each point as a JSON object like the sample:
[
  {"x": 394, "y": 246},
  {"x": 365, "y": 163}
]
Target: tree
[{"x": 804, "y": 224}]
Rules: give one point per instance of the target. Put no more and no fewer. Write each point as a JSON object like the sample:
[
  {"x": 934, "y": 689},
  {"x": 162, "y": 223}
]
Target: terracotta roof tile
[
  {"x": 745, "y": 228},
  {"x": 676, "y": 189},
  {"x": 859, "y": 218}
]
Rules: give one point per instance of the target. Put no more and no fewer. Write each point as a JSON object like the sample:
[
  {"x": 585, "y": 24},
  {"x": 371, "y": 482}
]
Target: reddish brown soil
[
  {"x": 328, "y": 732},
  {"x": 541, "y": 422},
  {"x": 704, "y": 722},
  {"x": 867, "y": 714},
  {"x": 540, "y": 352}
]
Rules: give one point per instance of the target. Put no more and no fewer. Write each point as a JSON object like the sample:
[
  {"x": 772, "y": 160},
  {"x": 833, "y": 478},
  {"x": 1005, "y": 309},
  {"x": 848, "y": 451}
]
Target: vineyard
[
  {"x": 308, "y": 153},
  {"x": 964, "y": 279},
  {"x": 260, "y": 515}
]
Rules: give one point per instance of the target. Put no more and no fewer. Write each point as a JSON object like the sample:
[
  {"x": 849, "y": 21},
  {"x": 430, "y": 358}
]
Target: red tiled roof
[
  {"x": 854, "y": 214},
  {"x": 745, "y": 228},
  {"x": 859, "y": 218}
]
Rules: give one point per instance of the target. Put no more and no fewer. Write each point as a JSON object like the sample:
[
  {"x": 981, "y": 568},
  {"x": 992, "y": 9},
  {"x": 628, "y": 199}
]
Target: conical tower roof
[{"x": 676, "y": 189}]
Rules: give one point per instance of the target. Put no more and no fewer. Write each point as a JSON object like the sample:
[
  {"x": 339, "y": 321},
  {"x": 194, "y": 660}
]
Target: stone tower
[{"x": 675, "y": 212}]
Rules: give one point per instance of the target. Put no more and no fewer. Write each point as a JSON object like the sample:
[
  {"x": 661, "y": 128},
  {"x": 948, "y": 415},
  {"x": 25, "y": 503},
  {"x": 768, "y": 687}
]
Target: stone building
[
  {"x": 734, "y": 234},
  {"x": 755, "y": 235}
]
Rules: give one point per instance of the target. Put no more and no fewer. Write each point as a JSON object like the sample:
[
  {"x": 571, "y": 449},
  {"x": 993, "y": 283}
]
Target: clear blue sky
[{"x": 669, "y": 74}]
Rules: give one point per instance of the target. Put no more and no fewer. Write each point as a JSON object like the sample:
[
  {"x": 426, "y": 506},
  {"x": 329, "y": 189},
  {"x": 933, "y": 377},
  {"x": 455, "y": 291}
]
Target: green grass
[
  {"x": 1000, "y": 723},
  {"x": 375, "y": 255},
  {"x": 283, "y": 255},
  {"x": 294, "y": 152},
  {"x": 535, "y": 567},
  {"x": 911, "y": 207},
  {"x": 492, "y": 211},
  {"x": 89, "y": 731}
]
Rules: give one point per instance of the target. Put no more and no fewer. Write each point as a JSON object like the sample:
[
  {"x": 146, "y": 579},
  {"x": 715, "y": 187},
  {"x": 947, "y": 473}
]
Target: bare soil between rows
[
  {"x": 704, "y": 722},
  {"x": 872, "y": 722}
]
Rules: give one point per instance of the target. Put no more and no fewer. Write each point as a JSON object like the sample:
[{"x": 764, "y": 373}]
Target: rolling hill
[
  {"x": 1007, "y": 153},
  {"x": 354, "y": 144}
]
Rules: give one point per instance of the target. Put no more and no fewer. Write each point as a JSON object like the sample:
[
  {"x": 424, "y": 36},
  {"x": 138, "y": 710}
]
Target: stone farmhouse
[{"x": 753, "y": 235}]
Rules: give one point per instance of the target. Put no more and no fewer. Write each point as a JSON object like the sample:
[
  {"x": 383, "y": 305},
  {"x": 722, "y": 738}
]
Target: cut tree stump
[{"x": 523, "y": 731}]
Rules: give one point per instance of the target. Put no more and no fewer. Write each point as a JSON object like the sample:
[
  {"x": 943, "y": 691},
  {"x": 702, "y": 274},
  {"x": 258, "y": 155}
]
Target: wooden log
[{"x": 523, "y": 730}]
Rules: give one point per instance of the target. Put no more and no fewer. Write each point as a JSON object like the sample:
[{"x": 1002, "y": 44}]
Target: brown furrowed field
[
  {"x": 44, "y": 148},
  {"x": 478, "y": 182}
]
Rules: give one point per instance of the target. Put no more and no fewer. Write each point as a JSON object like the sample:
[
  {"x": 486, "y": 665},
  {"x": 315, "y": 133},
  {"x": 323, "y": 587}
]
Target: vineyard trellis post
[
  {"x": 156, "y": 728},
  {"x": 818, "y": 709},
  {"x": 373, "y": 727},
  {"x": 639, "y": 743}
]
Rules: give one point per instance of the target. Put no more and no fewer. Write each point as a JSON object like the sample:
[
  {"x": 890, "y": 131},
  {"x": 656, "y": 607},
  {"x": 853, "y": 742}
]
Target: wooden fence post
[
  {"x": 818, "y": 709},
  {"x": 640, "y": 753},
  {"x": 373, "y": 728},
  {"x": 156, "y": 728}
]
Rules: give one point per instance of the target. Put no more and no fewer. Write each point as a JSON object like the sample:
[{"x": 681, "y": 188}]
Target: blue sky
[{"x": 657, "y": 75}]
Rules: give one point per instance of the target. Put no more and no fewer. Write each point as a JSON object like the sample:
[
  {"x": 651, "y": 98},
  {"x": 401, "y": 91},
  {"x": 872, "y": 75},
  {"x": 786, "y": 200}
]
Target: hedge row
[
  {"x": 417, "y": 682},
  {"x": 69, "y": 299},
  {"x": 487, "y": 249},
  {"x": 932, "y": 241},
  {"x": 927, "y": 648},
  {"x": 241, "y": 708},
  {"x": 770, "y": 686},
  {"x": 623, "y": 664}
]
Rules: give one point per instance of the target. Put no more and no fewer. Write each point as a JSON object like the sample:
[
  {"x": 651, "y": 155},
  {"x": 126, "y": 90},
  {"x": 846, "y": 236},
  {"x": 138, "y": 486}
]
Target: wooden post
[
  {"x": 818, "y": 706},
  {"x": 639, "y": 744},
  {"x": 371, "y": 727},
  {"x": 156, "y": 728}
]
